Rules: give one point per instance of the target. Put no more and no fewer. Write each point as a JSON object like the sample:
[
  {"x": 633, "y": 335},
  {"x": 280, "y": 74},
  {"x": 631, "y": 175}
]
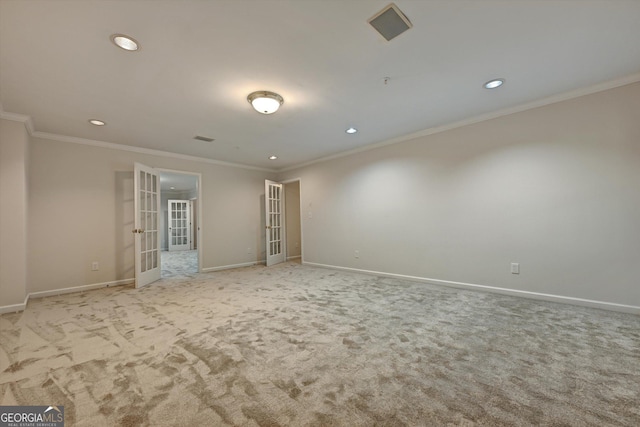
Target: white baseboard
[
  {"x": 504, "y": 291},
  {"x": 14, "y": 308},
  {"x": 42, "y": 294},
  {"x": 82, "y": 288},
  {"x": 289, "y": 258},
  {"x": 229, "y": 267}
]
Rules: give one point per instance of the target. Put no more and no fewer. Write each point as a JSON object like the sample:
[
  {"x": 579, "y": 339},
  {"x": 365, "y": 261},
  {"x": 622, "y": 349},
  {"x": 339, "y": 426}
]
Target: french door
[
  {"x": 146, "y": 182},
  {"x": 274, "y": 222},
  {"x": 179, "y": 225}
]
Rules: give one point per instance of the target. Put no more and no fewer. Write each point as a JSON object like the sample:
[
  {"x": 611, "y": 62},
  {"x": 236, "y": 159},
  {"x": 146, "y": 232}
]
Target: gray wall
[{"x": 555, "y": 188}]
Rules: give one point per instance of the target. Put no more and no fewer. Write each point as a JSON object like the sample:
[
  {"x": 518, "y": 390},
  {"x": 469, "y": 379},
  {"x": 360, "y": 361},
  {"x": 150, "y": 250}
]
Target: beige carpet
[
  {"x": 179, "y": 263},
  {"x": 293, "y": 345}
]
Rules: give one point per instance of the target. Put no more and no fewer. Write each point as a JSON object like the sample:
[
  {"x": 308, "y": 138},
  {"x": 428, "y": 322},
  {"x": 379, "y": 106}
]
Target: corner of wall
[{"x": 14, "y": 149}]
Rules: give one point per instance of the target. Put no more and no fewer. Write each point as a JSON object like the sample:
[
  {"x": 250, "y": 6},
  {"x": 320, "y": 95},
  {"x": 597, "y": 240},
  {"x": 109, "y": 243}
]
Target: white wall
[
  {"x": 556, "y": 189},
  {"x": 81, "y": 210},
  {"x": 14, "y": 157}
]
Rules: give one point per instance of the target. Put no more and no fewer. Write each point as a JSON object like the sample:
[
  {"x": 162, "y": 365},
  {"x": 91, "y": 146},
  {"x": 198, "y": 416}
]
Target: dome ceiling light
[
  {"x": 494, "y": 84},
  {"x": 125, "y": 42},
  {"x": 265, "y": 102}
]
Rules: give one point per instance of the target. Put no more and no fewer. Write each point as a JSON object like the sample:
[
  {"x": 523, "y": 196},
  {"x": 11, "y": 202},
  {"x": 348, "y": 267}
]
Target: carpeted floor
[
  {"x": 293, "y": 345},
  {"x": 179, "y": 263}
]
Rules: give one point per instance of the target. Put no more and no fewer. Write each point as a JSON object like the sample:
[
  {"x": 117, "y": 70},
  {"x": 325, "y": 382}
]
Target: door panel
[
  {"x": 147, "y": 238},
  {"x": 274, "y": 218},
  {"x": 179, "y": 225}
]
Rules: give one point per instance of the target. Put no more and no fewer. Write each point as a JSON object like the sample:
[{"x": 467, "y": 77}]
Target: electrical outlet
[
  {"x": 248, "y": 250},
  {"x": 356, "y": 254},
  {"x": 515, "y": 268},
  {"x": 95, "y": 266}
]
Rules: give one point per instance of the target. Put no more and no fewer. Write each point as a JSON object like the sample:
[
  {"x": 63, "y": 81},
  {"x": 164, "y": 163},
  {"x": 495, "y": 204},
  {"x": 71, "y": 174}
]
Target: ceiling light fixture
[
  {"x": 265, "y": 102},
  {"x": 351, "y": 130},
  {"x": 97, "y": 122},
  {"x": 124, "y": 42},
  {"x": 493, "y": 84},
  {"x": 273, "y": 157}
]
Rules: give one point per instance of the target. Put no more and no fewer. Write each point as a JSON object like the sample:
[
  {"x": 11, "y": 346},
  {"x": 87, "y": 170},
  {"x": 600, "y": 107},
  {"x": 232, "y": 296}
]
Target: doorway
[
  {"x": 283, "y": 231},
  {"x": 180, "y": 194},
  {"x": 293, "y": 229}
]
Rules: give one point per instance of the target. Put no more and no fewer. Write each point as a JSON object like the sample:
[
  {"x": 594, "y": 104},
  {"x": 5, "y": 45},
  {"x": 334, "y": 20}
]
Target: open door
[
  {"x": 274, "y": 222},
  {"x": 146, "y": 182}
]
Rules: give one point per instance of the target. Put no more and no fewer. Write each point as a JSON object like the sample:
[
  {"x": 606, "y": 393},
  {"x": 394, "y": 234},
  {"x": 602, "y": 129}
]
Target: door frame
[
  {"x": 193, "y": 237},
  {"x": 284, "y": 183},
  {"x": 198, "y": 176}
]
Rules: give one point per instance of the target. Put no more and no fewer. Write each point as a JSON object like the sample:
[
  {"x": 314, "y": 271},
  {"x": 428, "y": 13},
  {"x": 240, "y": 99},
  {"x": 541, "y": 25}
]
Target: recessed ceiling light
[
  {"x": 273, "y": 157},
  {"x": 351, "y": 130},
  {"x": 124, "y": 42},
  {"x": 172, "y": 188},
  {"x": 493, "y": 84},
  {"x": 97, "y": 122},
  {"x": 265, "y": 102}
]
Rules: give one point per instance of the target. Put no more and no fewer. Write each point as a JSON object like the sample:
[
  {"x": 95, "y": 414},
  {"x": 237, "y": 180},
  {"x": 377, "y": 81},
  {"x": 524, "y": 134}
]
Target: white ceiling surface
[
  {"x": 200, "y": 59},
  {"x": 179, "y": 182}
]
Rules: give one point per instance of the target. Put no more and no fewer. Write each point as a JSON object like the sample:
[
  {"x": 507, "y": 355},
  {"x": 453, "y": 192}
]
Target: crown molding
[
  {"x": 28, "y": 123},
  {"x": 611, "y": 84},
  {"x": 140, "y": 150},
  {"x": 565, "y": 96}
]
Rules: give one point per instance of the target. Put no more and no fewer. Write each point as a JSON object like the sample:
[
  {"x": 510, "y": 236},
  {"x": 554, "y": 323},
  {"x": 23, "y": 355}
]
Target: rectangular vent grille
[
  {"x": 203, "y": 138},
  {"x": 390, "y": 22}
]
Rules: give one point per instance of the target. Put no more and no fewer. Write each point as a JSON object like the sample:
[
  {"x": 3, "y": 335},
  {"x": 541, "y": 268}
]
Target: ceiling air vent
[
  {"x": 203, "y": 138},
  {"x": 390, "y": 22}
]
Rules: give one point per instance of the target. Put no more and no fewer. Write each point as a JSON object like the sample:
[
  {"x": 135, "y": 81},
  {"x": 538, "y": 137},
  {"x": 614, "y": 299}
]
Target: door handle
[
  {"x": 137, "y": 230},
  {"x": 268, "y": 227}
]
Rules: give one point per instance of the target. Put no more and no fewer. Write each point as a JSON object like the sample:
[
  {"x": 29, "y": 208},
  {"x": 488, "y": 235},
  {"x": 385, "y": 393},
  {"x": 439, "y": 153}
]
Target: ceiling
[
  {"x": 200, "y": 59},
  {"x": 178, "y": 182}
]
